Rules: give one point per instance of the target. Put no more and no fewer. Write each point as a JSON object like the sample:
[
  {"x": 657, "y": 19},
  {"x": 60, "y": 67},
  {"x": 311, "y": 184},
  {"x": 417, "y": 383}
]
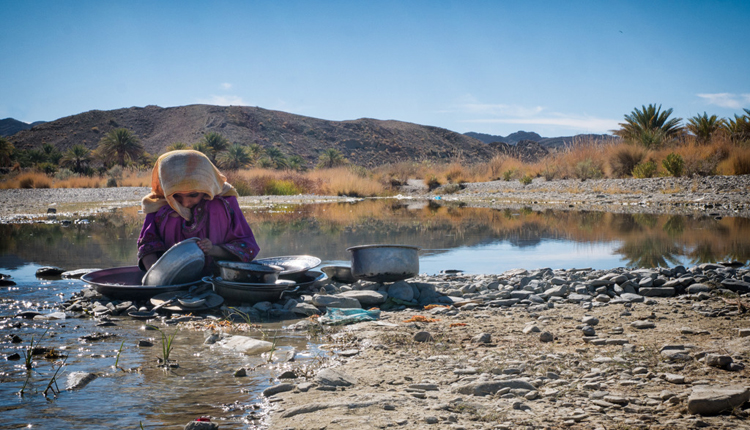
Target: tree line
[{"x": 121, "y": 147}]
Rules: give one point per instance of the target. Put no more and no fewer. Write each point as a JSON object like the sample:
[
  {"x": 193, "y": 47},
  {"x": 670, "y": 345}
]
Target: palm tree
[
  {"x": 297, "y": 163},
  {"x": 6, "y": 150},
  {"x": 739, "y": 127},
  {"x": 177, "y": 146},
  {"x": 254, "y": 151},
  {"x": 703, "y": 127},
  {"x": 51, "y": 153},
  {"x": 216, "y": 142},
  {"x": 76, "y": 158},
  {"x": 331, "y": 157},
  {"x": 650, "y": 126},
  {"x": 121, "y": 145},
  {"x": 234, "y": 158},
  {"x": 277, "y": 157},
  {"x": 203, "y": 148}
]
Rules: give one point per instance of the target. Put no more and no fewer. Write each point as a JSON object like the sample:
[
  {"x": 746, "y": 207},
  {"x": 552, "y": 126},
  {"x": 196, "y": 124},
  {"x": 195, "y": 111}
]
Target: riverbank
[{"x": 725, "y": 196}]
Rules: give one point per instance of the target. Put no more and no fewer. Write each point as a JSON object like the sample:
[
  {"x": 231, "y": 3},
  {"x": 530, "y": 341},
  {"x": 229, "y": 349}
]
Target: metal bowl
[
  {"x": 237, "y": 271},
  {"x": 182, "y": 263},
  {"x": 384, "y": 263},
  {"x": 125, "y": 283},
  {"x": 339, "y": 274}
]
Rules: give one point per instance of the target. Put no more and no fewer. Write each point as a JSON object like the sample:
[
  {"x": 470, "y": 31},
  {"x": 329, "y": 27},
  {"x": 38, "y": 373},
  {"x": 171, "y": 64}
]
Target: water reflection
[{"x": 509, "y": 238}]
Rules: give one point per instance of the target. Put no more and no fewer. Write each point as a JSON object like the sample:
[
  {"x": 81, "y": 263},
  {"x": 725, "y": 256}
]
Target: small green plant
[
  {"x": 674, "y": 164},
  {"x": 588, "y": 169},
  {"x": 167, "y": 341},
  {"x": 508, "y": 174},
  {"x": 53, "y": 381},
  {"x": 525, "y": 180},
  {"x": 645, "y": 170},
  {"x": 244, "y": 315},
  {"x": 119, "y": 351}
]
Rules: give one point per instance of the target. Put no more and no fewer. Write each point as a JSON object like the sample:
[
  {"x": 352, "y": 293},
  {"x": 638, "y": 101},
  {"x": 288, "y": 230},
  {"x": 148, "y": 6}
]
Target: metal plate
[
  {"x": 182, "y": 263},
  {"x": 253, "y": 293},
  {"x": 291, "y": 263},
  {"x": 125, "y": 283}
]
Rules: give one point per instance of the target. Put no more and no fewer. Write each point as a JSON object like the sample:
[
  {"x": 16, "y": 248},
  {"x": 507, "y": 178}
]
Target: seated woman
[{"x": 191, "y": 198}]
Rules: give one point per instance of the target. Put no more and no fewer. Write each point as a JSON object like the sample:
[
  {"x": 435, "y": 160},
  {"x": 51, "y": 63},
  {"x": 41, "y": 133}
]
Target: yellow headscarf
[{"x": 184, "y": 171}]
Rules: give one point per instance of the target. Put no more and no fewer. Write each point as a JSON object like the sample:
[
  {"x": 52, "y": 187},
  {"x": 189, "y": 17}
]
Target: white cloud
[
  {"x": 226, "y": 86},
  {"x": 727, "y": 100},
  {"x": 488, "y": 113},
  {"x": 223, "y": 101}
]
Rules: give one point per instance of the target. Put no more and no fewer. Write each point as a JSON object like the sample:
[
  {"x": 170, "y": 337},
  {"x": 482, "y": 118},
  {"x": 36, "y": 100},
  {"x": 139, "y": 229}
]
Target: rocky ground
[{"x": 588, "y": 349}]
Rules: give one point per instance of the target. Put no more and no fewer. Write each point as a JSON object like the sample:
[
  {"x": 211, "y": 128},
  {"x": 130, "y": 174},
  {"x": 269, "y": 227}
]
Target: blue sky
[{"x": 554, "y": 67}]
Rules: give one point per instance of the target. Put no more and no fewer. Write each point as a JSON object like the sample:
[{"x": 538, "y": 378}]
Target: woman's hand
[
  {"x": 215, "y": 251},
  {"x": 206, "y": 246}
]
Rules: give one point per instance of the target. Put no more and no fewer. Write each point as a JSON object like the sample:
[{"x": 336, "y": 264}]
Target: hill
[
  {"x": 10, "y": 126},
  {"x": 550, "y": 143},
  {"x": 366, "y": 142}
]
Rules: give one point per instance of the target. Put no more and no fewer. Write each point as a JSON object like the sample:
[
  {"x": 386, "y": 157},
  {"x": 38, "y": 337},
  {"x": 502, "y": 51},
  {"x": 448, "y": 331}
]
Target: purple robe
[{"x": 219, "y": 220}]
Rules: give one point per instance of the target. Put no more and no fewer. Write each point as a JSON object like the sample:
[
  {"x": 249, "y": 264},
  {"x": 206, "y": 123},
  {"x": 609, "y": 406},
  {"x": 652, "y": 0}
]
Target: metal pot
[
  {"x": 339, "y": 273},
  {"x": 384, "y": 263},
  {"x": 237, "y": 271}
]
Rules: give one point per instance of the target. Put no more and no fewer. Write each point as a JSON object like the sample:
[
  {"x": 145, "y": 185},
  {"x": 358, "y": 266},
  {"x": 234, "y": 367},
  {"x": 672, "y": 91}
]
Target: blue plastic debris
[{"x": 348, "y": 316}]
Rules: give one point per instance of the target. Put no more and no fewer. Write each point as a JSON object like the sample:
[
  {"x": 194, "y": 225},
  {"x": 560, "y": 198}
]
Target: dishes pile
[{"x": 265, "y": 279}]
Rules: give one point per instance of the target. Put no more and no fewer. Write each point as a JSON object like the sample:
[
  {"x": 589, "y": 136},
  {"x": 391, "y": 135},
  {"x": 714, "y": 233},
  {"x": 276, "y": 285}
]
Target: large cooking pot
[{"x": 384, "y": 263}]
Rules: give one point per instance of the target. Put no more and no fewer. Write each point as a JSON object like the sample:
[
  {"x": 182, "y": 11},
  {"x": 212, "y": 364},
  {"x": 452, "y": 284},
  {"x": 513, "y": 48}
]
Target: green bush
[
  {"x": 64, "y": 174},
  {"x": 645, "y": 170},
  {"x": 525, "y": 180},
  {"x": 588, "y": 169},
  {"x": 625, "y": 159},
  {"x": 281, "y": 187},
  {"x": 508, "y": 174},
  {"x": 111, "y": 183},
  {"x": 451, "y": 188},
  {"x": 47, "y": 168},
  {"x": 674, "y": 164}
]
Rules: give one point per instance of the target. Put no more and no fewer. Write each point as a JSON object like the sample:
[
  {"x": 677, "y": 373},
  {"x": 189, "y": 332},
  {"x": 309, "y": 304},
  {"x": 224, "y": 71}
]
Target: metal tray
[
  {"x": 291, "y": 263},
  {"x": 125, "y": 283}
]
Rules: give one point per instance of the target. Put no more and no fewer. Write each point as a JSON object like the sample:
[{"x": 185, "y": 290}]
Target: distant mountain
[
  {"x": 366, "y": 142},
  {"x": 511, "y": 139},
  {"x": 10, "y": 126},
  {"x": 546, "y": 142}
]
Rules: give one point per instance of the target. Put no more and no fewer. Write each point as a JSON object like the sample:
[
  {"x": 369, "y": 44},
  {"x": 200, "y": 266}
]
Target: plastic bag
[{"x": 348, "y": 316}]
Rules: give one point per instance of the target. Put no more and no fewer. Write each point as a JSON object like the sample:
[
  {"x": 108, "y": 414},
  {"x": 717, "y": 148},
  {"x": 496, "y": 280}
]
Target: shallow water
[{"x": 451, "y": 237}]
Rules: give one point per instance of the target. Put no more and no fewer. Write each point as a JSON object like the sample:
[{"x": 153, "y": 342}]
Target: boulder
[{"x": 707, "y": 400}]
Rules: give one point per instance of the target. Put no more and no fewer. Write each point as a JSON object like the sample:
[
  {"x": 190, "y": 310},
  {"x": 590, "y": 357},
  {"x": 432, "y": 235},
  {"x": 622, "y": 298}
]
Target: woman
[{"x": 191, "y": 198}]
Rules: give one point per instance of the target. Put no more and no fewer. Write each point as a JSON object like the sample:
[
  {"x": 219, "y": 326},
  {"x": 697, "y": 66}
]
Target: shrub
[
  {"x": 64, "y": 174},
  {"x": 111, "y": 183},
  {"x": 549, "y": 172},
  {"x": 674, "y": 164},
  {"x": 741, "y": 164},
  {"x": 588, "y": 169},
  {"x": 281, "y": 187},
  {"x": 625, "y": 158},
  {"x": 525, "y": 180},
  {"x": 508, "y": 174},
  {"x": 47, "y": 168},
  {"x": 645, "y": 170},
  {"x": 451, "y": 188},
  {"x": 26, "y": 183},
  {"x": 432, "y": 182}
]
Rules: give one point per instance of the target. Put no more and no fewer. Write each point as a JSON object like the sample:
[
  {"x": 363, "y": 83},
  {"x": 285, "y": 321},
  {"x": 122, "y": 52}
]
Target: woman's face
[{"x": 188, "y": 200}]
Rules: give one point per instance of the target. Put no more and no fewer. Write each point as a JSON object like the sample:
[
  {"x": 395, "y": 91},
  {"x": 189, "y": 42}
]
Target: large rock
[
  {"x": 706, "y": 400},
  {"x": 736, "y": 285},
  {"x": 401, "y": 290},
  {"x": 365, "y": 297},
  {"x": 656, "y": 291},
  {"x": 246, "y": 344},
  {"x": 333, "y": 377},
  {"x": 485, "y": 388},
  {"x": 78, "y": 380},
  {"x": 336, "y": 301},
  {"x": 306, "y": 309}
]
